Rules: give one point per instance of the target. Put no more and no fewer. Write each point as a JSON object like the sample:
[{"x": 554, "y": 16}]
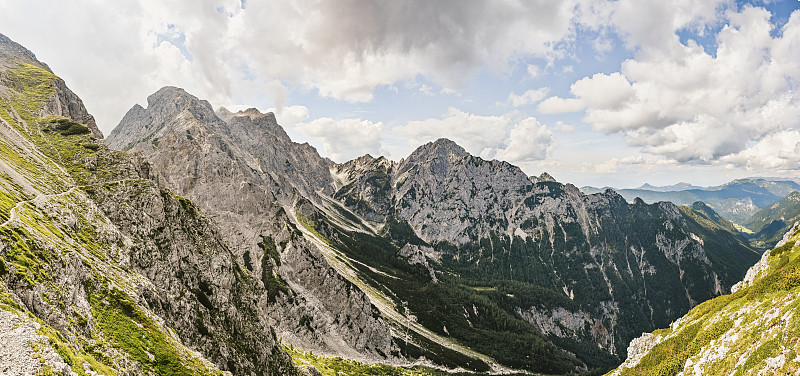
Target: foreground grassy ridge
[
  {"x": 30, "y": 87},
  {"x": 74, "y": 357},
  {"x": 753, "y": 331},
  {"x": 115, "y": 332},
  {"x": 60, "y": 245},
  {"x": 127, "y": 327}
]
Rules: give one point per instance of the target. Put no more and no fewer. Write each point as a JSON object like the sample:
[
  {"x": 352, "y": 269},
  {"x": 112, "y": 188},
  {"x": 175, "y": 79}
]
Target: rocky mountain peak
[
  {"x": 546, "y": 177},
  {"x": 442, "y": 147},
  {"x": 440, "y": 155},
  {"x": 253, "y": 113},
  {"x": 169, "y": 107},
  {"x": 176, "y": 99},
  {"x": 12, "y": 50}
]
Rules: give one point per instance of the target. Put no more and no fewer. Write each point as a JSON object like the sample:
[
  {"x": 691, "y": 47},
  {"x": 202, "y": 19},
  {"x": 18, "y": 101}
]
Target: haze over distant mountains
[
  {"x": 196, "y": 241},
  {"x": 666, "y": 188},
  {"x": 736, "y": 201}
]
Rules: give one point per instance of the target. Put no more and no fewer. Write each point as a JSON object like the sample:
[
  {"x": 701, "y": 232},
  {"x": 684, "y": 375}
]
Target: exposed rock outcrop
[
  {"x": 752, "y": 331},
  {"x": 649, "y": 263},
  {"x": 124, "y": 276},
  {"x": 246, "y": 174}
]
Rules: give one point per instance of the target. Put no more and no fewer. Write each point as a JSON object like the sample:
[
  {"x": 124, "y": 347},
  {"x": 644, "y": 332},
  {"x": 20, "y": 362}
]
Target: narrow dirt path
[{"x": 13, "y": 213}]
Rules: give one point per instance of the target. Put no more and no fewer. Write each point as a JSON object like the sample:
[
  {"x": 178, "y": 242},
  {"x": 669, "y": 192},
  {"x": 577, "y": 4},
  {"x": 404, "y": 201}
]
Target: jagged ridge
[
  {"x": 517, "y": 258},
  {"x": 117, "y": 273}
]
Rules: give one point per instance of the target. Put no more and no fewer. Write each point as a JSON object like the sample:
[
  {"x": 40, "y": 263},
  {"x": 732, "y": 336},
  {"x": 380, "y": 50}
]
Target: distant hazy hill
[
  {"x": 769, "y": 224},
  {"x": 682, "y": 186},
  {"x": 705, "y": 215},
  {"x": 735, "y": 201}
]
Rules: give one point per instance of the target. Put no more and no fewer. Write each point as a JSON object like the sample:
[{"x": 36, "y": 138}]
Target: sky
[{"x": 603, "y": 93}]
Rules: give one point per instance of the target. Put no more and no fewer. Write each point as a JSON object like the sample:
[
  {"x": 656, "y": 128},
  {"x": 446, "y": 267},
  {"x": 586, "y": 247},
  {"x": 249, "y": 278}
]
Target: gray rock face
[
  {"x": 67, "y": 104},
  {"x": 197, "y": 286},
  {"x": 23, "y": 351},
  {"x": 122, "y": 273},
  {"x": 11, "y": 50},
  {"x": 483, "y": 210},
  {"x": 415, "y": 254},
  {"x": 595, "y": 270},
  {"x": 246, "y": 174},
  {"x": 566, "y": 324}
]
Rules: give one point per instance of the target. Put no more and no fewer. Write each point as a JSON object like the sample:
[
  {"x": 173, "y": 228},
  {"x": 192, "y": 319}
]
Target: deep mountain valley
[{"x": 201, "y": 241}]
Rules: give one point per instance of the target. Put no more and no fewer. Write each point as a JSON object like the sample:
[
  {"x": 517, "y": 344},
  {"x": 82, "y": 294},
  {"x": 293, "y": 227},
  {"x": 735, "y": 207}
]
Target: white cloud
[
  {"x": 344, "y": 139},
  {"x": 529, "y": 140},
  {"x": 533, "y": 71},
  {"x": 651, "y": 24},
  {"x": 563, "y": 127},
  {"x": 426, "y": 90},
  {"x": 613, "y": 165},
  {"x": 234, "y": 55},
  {"x": 602, "y": 45},
  {"x": 500, "y": 137},
  {"x": 779, "y": 152},
  {"x": 603, "y": 91},
  {"x": 557, "y": 105},
  {"x": 288, "y": 116},
  {"x": 121, "y": 60},
  {"x": 474, "y": 133},
  {"x": 528, "y": 97},
  {"x": 684, "y": 104},
  {"x": 345, "y": 50}
]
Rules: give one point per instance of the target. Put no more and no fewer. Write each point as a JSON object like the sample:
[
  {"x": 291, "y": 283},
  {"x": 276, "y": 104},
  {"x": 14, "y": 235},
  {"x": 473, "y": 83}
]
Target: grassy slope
[
  {"x": 50, "y": 157},
  {"x": 737, "y": 334},
  {"x": 335, "y": 366}
]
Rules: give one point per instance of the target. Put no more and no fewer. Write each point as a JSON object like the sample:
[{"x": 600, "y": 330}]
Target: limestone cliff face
[
  {"x": 103, "y": 270},
  {"x": 753, "y": 331},
  {"x": 637, "y": 264},
  {"x": 590, "y": 272},
  {"x": 248, "y": 176}
]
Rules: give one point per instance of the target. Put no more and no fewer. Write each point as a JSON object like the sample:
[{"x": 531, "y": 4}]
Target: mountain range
[
  {"x": 736, "y": 201},
  {"x": 203, "y": 241}
]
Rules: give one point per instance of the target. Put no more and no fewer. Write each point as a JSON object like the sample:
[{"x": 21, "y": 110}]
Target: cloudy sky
[{"x": 595, "y": 92}]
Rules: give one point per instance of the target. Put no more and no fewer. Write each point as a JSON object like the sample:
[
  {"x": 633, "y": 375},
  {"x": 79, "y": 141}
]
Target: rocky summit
[
  {"x": 202, "y": 241},
  {"x": 245, "y": 173},
  {"x": 449, "y": 254},
  {"x": 103, "y": 270}
]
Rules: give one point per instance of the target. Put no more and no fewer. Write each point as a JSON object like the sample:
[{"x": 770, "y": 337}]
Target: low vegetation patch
[
  {"x": 335, "y": 366},
  {"x": 124, "y": 325}
]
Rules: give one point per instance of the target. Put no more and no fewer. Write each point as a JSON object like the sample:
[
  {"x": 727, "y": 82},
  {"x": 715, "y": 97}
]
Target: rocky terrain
[
  {"x": 441, "y": 255},
  {"x": 195, "y": 241},
  {"x": 487, "y": 222},
  {"x": 102, "y": 269},
  {"x": 752, "y": 331},
  {"x": 245, "y": 173}
]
